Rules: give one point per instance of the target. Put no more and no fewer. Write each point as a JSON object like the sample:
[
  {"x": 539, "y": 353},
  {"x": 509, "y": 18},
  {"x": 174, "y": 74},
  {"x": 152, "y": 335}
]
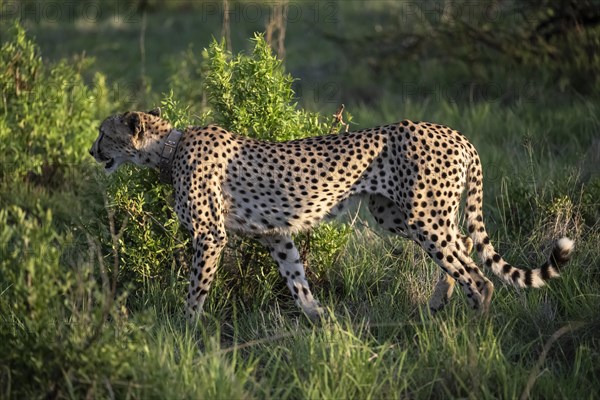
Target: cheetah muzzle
[{"x": 413, "y": 174}]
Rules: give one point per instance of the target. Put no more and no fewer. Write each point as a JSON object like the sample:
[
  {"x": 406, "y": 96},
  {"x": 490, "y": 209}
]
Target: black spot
[
  {"x": 545, "y": 271},
  {"x": 528, "y": 278},
  {"x": 516, "y": 275}
]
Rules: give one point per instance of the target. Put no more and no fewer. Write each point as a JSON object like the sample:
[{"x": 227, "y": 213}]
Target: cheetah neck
[{"x": 151, "y": 148}]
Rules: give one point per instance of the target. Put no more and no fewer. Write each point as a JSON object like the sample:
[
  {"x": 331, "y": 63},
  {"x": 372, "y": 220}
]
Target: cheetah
[{"x": 412, "y": 173}]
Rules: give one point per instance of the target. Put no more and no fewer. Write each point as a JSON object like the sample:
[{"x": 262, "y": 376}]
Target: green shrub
[
  {"x": 48, "y": 115},
  {"x": 53, "y": 312},
  {"x": 252, "y": 95},
  {"x": 54, "y": 299}
]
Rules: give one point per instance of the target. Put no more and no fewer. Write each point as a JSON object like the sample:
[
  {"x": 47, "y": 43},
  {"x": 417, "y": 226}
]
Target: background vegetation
[{"x": 93, "y": 269}]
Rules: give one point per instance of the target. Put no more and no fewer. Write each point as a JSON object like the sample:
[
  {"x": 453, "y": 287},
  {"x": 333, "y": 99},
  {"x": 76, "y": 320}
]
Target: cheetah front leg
[
  {"x": 207, "y": 249},
  {"x": 202, "y": 214},
  {"x": 287, "y": 257}
]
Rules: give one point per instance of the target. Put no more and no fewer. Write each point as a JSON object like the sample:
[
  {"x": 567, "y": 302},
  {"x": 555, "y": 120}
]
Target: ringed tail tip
[{"x": 561, "y": 254}]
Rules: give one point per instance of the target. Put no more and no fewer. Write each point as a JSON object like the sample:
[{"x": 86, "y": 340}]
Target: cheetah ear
[
  {"x": 133, "y": 122},
  {"x": 156, "y": 112}
]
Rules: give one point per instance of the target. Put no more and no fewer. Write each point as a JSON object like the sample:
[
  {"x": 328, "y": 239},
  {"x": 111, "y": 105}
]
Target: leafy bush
[
  {"x": 48, "y": 115},
  {"x": 54, "y": 292},
  {"x": 30, "y": 252},
  {"x": 53, "y": 312},
  {"x": 253, "y": 96}
]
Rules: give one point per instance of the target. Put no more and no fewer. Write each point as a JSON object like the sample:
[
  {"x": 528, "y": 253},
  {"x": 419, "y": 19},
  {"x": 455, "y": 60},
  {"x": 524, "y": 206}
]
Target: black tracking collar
[{"x": 165, "y": 165}]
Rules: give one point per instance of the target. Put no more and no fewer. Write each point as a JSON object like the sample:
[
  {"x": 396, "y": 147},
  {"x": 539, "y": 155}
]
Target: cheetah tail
[{"x": 518, "y": 277}]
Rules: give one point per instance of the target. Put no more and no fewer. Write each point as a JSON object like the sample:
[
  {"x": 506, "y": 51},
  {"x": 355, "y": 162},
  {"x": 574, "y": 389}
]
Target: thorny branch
[{"x": 338, "y": 120}]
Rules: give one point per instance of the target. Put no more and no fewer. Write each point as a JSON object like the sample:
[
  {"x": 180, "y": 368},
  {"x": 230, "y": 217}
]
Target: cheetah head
[{"x": 124, "y": 138}]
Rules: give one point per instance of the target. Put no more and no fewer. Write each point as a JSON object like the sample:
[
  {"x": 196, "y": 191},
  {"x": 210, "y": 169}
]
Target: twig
[
  {"x": 276, "y": 27},
  {"x": 533, "y": 375},
  {"x": 159, "y": 224},
  {"x": 143, "y": 50},
  {"x": 110, "y": 291},
  {"x": 225, "y": 29},
  {"x": 116, "y": 237},
  {"x": 337, "y": 120}
]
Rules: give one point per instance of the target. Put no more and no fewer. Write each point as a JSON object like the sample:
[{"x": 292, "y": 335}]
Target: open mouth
[{"x": 109, "y": 163}]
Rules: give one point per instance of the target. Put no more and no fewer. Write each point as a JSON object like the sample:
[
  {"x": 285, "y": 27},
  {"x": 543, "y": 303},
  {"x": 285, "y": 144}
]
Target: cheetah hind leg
[
  {"x": 389, "y": 216},
  {"x": 445, "y": 285},
  {"x": 450, "y": 256},
  {"x": 483, "y": 284}
]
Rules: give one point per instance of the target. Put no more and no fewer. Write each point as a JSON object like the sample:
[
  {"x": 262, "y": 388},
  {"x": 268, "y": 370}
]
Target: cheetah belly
[{"x": 281, "y": 212}]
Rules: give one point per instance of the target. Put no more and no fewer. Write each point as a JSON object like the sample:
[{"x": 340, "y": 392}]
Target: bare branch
[{"x": 338, "y": 120}]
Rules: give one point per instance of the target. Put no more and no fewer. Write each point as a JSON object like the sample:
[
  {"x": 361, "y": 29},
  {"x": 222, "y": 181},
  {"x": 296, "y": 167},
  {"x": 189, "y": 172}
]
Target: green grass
[{"x": 65, "y": 334}]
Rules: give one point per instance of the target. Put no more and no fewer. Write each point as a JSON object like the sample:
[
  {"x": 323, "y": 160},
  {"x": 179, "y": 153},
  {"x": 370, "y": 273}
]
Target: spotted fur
[{"x": 413, "y": 174}]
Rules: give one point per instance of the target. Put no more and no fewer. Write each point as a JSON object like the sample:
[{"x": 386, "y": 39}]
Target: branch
[
  {"x": 533, "y": 375},
  {"x": 337, "y": 120}
]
